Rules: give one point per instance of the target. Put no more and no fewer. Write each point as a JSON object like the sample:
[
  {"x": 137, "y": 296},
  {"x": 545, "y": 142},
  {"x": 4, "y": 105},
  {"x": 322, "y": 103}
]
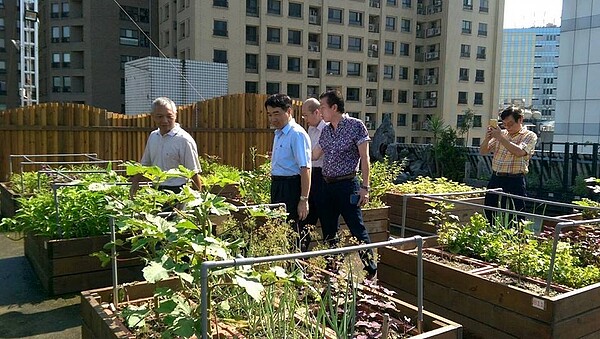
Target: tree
[{"x": 466, "y": 124}]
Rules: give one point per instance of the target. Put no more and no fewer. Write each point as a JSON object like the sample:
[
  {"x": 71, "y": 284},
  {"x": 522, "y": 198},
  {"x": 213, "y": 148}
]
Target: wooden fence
[{"x": 226, "y": 127}]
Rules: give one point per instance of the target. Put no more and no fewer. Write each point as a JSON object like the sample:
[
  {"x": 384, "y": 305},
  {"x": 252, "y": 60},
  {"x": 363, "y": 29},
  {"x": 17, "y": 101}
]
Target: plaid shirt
[{"x": 506, "y": 162}]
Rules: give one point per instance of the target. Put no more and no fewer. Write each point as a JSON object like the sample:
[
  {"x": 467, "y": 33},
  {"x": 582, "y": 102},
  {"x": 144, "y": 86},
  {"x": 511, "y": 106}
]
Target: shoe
[{"x": 371, "y": 277}]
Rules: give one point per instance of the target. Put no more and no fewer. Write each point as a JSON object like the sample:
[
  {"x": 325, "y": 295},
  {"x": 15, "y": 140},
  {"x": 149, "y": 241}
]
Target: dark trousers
[
  {"x": 315, "y": 198},
  {"x": 287, "y": 190},
  {"x": 513, "y": 185},
  {"x": 336, "y": 198}
]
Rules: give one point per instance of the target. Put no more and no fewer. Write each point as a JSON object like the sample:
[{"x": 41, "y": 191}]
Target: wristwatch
[{"x": 303, "y": 198}]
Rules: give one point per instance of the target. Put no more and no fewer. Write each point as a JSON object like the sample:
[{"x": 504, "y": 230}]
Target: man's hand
[
  {"x": 302, "y": 209},
  {"x": 364, "y": 196}
]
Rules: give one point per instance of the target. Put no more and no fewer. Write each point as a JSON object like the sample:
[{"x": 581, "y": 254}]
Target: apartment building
[
  {"x": 85, "y": 44},
  {"x": 578, "y": 96},
  {"x": 530, "y": 68},
  {"x": 409, "y": 59}
]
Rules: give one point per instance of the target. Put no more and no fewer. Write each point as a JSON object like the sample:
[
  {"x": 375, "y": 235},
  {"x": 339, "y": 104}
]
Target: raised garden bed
[
  {"x": 8, "y": 203},
  {"x": 101, "y": 322},
  {"x": 492, "y": 308},
  {"x": 65, "y": 265},
  {"x": 417, "y": 216}
]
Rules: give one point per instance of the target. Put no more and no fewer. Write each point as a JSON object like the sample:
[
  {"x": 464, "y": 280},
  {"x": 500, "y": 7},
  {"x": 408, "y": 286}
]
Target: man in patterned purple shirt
[{"x": 344, "y": 143}]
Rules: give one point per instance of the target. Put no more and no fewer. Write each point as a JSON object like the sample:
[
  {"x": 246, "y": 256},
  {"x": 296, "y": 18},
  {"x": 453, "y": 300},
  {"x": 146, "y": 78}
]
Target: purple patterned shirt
[{"x": 340, "y": 146}]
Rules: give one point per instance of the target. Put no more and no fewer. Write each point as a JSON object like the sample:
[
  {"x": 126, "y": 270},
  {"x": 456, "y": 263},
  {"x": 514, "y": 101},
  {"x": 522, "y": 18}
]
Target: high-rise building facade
[
  {"x": 408, "y": 59},
  {"x": 578, "y": 97},
  {"x": 85, "y": 44},
  {"x": 530, "y": 68},
  {"x": 10, "y": 54}
]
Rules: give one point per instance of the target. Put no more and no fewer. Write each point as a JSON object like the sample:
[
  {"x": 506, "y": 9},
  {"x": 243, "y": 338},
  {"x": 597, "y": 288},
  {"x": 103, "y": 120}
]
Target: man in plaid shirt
[{"x": 512, "y": 148}]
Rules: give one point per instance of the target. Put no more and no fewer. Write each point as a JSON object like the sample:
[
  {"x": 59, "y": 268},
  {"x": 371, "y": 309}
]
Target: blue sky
[{"x": 529, "y": 13}]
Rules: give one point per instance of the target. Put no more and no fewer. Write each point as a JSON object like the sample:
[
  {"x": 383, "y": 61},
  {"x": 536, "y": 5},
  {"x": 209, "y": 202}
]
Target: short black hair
[
  {"x": 334, "y": 97},
  {"x": 516, "y": 112},
  {"x": 279, "y": 101}
]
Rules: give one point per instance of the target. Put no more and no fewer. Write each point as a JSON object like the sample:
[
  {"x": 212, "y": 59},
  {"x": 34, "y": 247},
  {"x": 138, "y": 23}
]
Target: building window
[
  {"x": 354, "y": 44},
  {"x": 468, "y": 5},
  {"x": 65, "y": 10},
  {"x": 220, "y": 28},
  {"x": 66, "y": 34},
  {"x": 479, "y": 75},
  {"x": 251, "y": 63},
  {"x": 293, "y": 90},
  {"x": 334, "y": 41},
  {"x": 406, "y": 3},
  {"x": 273, "y": 87},
  {"x": 387, "y": 95},
  {"x": 465, "y": 51},
  {"x": 405, "y": 25},
  {"x": 354, "y": 68},
  {"x": 355, "y": 18},
  {"x": 293, "y": 64},
  {"x": 392, "y": 2},
  {"x": 462, "y": 97},
  {"x": 390, "y": 48},
  {"x": 220, "y": 56},
  {"x": 335, "y": 16},
  {"x": 273, "y": 62},
  {"x": 252, "y": 35},
  {"x": 295, "y": 10},
  {"x": 482, "y": 31},
  {"x": 353, "y": 94},
  {"x": 294, "y": 37},
  {"x": 66, "y": 63},
  {"x": 66, "y": 84},
  {"x": 274, "y": 7},
  {"x": 129, "y": 37},
  {"x": 144, "y": 15},
  {"x": 388, "y": 72},
  {"x": 404, "y": 49},
  {"x": 390, "y": 23},
  {"x": 483, "y": 6},
  {"x": 478, "y": 99},
  {"x": 481, "y": 52},
  {"x": 218, "y": 3},
  {"x": 334, "y": 67},
  {"x": 403, "y": 73},
  {"x": 55, "y": 60},
  {"x": 312, "y": 91},
  {"x": 273, "y": 34},
  {"x": 401, "y": 119},
  {"x": 466, "y": 27},
  {"x": 54, "y": 11},
  {"x": 476, "y": 142},
  {"x": 402, "y": 96},
  {"x": 251, "y": 87},
  {"x": 477, "y": 121},
  {"x": 463, "y": 74},
  {"x": 56, "y": 84},
  {"x": 251, "y": 10}
]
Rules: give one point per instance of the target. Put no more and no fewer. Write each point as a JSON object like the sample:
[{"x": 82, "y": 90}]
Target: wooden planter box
[
  {"x": 99, "y": 322},
  {"x": 417, "y": 216},
  {"x": 491, "y": 309},
  {"x": 65, "y": 265},
  {"x": 230, "y": 191},
  {"x": 8, "y": 203}
]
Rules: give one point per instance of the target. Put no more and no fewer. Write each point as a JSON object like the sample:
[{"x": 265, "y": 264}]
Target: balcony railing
[
  {"x": 371, "y": 76},
  {"x": 435, "y": 55},
  {"x": 434, "y": 31},
  {"x": 428, "y": 103}
]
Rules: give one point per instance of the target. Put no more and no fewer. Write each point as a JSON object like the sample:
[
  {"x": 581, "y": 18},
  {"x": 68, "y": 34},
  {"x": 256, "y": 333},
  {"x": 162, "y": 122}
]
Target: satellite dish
[
  {"x": 536, "y": 115},
  {"x": 527, "y": 114}
]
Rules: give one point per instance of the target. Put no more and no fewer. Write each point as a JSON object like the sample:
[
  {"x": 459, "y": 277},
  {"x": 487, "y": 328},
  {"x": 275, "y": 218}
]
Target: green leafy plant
[
  {"x": 382, "y": 176},
  {"x": 427, "y": 185}
]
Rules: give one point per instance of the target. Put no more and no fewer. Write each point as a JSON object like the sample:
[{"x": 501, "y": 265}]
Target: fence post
[
  {"x": 566, "y": 166},
  {"x": 574, "y": 158},
  {"x": 594, "y": 171}
]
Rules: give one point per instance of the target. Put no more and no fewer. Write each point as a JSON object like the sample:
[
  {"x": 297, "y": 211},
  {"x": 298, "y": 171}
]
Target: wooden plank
[
  {"x": 91, "y": 280},
  {"x": 86, "y": 263}
]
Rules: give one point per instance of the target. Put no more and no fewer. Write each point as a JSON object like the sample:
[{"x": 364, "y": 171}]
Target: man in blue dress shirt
[{"x": 290, "y": 162}]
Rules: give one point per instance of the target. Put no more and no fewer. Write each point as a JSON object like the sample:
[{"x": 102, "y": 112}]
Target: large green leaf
[
  {"x": 155, "y": 272},
  {"x": 253, "y": 288}
]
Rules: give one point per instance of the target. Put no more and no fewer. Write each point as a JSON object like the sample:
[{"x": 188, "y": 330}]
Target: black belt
[
  {"x": 331, "y": 180},
  {"x": 511, "y": 175},
  {"x": 285, "y": 177}
]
